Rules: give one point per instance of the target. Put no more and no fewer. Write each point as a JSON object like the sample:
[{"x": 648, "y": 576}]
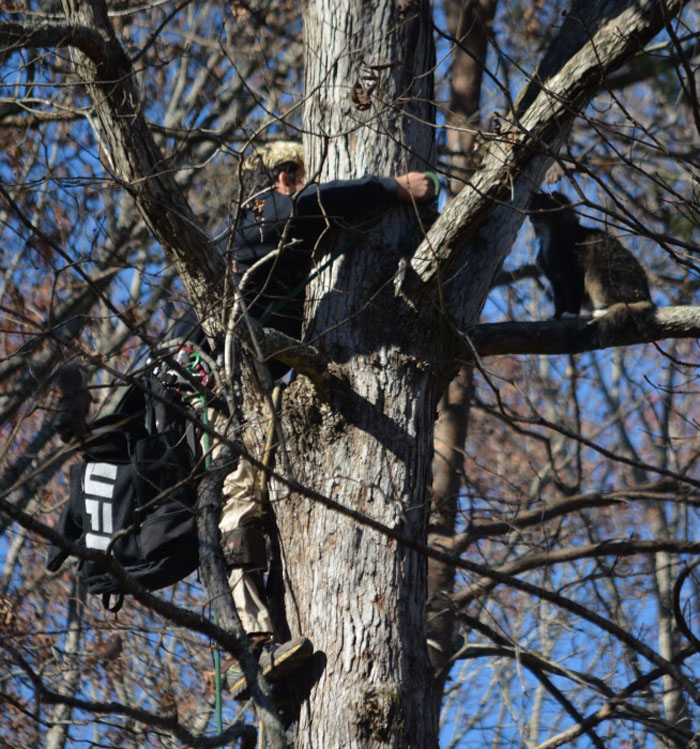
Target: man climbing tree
[
  {"x": 280, "y": 227},
  {"x": 282, "y": 223},
  {"x": 385, "y": 325}
]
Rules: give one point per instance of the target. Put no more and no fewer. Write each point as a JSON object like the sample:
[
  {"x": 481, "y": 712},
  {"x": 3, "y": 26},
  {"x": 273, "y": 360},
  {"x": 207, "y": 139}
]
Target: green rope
[{"x": 436, "y": 183}]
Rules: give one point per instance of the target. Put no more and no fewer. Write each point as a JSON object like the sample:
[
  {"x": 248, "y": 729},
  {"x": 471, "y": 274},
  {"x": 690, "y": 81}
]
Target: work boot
[{"x": 275, "y": 661}]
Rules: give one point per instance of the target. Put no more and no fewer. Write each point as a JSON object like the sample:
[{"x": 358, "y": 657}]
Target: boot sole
[{"x": 285, "y": 659}]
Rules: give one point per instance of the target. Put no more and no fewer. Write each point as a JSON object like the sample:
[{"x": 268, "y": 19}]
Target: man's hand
[{"x": 415, "y": 186}]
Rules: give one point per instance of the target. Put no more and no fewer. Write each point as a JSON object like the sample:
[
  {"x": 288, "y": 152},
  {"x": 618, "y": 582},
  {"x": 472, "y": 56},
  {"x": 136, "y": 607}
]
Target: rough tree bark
[{"x": 359, "y": 595}]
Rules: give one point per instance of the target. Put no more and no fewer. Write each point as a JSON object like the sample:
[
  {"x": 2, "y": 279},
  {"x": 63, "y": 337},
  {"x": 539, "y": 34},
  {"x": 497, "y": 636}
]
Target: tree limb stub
[
  {"x": 573, "y": 336},
  {"x": 302, "y": 357}
]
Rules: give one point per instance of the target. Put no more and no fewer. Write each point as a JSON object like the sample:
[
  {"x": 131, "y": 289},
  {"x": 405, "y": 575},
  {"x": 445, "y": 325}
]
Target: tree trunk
[
  {"x": 448, "y": 469},
  {"x": 358, "y": 595},
  {"x": 469, "y": 24},
  {"x": 60, "y": 714}
]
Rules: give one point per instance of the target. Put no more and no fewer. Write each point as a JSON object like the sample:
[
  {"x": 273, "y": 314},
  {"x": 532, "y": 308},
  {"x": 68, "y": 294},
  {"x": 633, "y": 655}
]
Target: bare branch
[
  {"x": 15, "y": 36},
  {"x": 570, "y": 554},
  {"x": 168, "y": 723},
  {"x": 470, "y": 229},
  {"x": 576, "y": 335},
  {"x": 652, "y": 492}
]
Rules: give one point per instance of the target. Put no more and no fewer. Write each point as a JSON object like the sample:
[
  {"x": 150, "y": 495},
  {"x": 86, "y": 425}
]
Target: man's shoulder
[
  {"x": 266, "y": 206},
  {"x": 275, "y": 205}
]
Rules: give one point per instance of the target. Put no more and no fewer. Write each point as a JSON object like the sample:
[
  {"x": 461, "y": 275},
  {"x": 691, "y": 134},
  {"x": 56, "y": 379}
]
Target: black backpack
[{"x": 137, "y": 481}]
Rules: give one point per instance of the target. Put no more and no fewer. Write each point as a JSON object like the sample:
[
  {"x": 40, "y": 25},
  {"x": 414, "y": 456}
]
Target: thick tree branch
[
  {"x": 507, "y": 277},
  {"x": 576, "y": 335},
  {"x": 109, "y": 77},
  {"x": 15, "y": 36},
  {"x": 469, "y": 241}
]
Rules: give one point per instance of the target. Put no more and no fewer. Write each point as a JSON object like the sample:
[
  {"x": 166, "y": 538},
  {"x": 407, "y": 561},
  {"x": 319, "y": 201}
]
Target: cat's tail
[{"x": 623, "y": 319}]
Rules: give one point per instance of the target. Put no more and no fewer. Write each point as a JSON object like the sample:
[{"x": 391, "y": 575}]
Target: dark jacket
[
  {"x": 262, "y": 223},
  {"x": 275, "y": 293}
]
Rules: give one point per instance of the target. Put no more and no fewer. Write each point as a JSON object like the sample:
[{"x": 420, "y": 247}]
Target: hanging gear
[{"x": 134, "y": 493}]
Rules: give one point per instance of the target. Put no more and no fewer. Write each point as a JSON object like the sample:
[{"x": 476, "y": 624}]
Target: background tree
[{"x": 123, "y": 131}]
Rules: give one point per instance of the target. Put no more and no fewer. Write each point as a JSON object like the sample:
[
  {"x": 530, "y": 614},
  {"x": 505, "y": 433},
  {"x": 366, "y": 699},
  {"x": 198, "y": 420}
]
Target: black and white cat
[{"x": 587, "y": 268}]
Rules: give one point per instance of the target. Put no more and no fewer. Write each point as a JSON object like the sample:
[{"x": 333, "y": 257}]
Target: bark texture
[{"x": 358, "y": 595}]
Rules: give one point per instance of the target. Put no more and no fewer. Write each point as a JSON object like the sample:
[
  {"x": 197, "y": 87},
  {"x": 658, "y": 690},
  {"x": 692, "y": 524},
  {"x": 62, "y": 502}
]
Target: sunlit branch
[
  {"x": 545, "y": 111},
  {"x": 573, "y": 336}
]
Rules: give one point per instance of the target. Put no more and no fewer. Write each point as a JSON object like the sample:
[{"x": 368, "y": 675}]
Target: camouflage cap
[{"x": 276, "y": 153}]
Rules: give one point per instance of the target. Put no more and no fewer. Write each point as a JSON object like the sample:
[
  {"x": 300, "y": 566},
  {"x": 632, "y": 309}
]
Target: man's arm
[{"x": 356, "y": 197}]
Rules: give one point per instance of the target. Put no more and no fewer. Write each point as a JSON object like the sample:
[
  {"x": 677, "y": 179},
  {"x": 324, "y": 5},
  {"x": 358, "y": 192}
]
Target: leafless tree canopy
[{"x": 487, "y": 518}]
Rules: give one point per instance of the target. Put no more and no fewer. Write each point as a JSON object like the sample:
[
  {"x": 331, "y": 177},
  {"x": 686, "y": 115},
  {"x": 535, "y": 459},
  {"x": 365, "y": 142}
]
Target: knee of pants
[
  {"x": 239, "y": 497},
  {"x": 245, "y": 548}
]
